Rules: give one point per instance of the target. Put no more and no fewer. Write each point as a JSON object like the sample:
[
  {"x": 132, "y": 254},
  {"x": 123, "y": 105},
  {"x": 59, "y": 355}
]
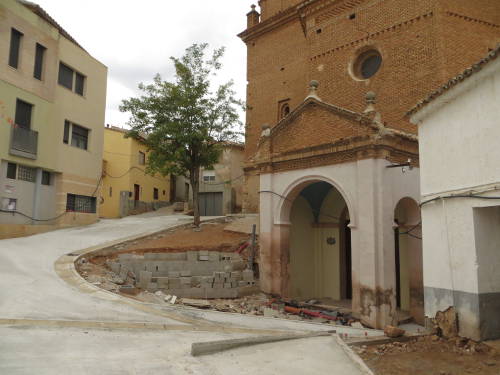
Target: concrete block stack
[{"x": 191, "y": 274}]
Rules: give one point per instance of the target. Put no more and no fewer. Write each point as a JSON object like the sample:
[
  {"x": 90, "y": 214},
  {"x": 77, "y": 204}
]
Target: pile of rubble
[{"x": 459, "y": 345}]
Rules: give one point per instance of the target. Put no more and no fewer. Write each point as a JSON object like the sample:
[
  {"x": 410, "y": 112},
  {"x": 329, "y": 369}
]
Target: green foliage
[{"x": 183, "y": 122}]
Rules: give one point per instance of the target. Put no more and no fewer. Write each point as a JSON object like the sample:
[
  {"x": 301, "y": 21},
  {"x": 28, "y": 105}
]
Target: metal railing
[{"x": 23, "y": 140}]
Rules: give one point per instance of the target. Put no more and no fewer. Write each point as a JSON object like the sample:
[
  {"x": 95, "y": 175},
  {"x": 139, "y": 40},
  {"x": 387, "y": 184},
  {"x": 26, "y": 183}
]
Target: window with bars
[
  {"x": 81, "y": 203},
  {"x": 26, "y": 173}
]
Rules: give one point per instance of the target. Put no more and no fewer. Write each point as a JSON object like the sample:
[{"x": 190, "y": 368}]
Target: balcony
[{"x": 24, "y": 142}]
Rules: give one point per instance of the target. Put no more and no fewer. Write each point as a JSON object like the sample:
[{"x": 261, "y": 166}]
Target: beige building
[
  {"x": 52, "y": 104},
  {"x": 221, "y": 188},
  {"x": 127, "y": 188}
]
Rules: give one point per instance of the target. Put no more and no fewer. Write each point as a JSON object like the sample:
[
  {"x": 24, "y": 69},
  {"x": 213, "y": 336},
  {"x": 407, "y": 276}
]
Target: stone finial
[
  {"x": 370, "y": 97},
  {"x": 313, "y": 90},
  {"x": 253, "y": 17}
]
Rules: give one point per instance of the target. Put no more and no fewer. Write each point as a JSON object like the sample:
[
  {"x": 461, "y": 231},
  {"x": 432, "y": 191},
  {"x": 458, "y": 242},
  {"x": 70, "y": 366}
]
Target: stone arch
[
  {"x": 409, "y": 258},
  {"x": 293, "y": 190},
  {"x": 316, "y": 254}
]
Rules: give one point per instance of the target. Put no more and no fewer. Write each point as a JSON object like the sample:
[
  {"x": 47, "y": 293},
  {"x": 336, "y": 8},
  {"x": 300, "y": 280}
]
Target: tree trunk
[{"x": 195, "y": 185}]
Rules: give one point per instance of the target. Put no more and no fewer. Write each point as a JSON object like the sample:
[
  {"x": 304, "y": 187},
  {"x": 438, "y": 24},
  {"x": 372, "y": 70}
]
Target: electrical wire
[
  {"x": 31, "y": 218},
  {"x": 224, "y": 182},
  {"x": 475, "y": 196},
  {"x": 408, "y": 232},
  {"x": 128, "y": 171},
  {"x": 15, "y": 212}
]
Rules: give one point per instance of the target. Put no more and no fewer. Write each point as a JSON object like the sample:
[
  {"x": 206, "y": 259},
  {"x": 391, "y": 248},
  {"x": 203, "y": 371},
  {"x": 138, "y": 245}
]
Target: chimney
[{"x": 253, "y": 17}]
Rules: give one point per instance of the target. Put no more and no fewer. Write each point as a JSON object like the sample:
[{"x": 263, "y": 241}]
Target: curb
[{"x": 354, "y": 357}]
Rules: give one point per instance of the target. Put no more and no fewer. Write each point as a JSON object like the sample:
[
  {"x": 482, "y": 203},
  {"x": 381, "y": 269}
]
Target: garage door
[{"x": 210, "y": 204}]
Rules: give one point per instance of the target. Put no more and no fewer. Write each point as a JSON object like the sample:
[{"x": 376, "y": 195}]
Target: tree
[{"x": 184, "y": 123}]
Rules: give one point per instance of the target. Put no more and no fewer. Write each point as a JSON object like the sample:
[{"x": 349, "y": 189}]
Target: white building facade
[{"x": 459, "y": 132}]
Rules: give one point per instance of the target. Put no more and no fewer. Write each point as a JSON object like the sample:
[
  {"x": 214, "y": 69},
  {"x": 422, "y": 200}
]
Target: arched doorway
[
  {"x": 320, "y": 264},
  {"x": 408, "y": 256}
]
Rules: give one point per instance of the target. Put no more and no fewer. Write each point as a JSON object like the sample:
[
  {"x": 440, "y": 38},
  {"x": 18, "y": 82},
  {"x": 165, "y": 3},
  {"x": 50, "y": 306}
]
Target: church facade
[{"x": 333, "y": 167}]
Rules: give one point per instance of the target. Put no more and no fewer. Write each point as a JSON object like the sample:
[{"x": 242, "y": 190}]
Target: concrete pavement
[{"x": 48, "y": 326}]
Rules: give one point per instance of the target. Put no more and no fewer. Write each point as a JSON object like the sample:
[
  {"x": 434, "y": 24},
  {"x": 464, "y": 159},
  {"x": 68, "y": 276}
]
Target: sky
[{"x": 135, "y": 39}]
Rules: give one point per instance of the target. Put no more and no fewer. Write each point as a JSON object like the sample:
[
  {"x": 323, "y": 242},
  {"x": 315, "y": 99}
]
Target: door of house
[
  {"x": 210, "y": 204},
  {"x": 137, "y": 191}
]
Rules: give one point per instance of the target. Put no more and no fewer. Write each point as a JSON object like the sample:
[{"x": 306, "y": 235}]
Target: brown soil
[
  {"x": 431, "y": 355},
  {"x": 212, "y": 236}
]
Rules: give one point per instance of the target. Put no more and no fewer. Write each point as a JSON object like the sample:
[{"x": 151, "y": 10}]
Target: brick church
[{"x": 331, "y": 162}]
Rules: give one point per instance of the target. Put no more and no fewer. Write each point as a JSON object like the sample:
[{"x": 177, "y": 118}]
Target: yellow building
[
  {"x": 52, "y": 105},
  {"x": 126, "y": 188}
]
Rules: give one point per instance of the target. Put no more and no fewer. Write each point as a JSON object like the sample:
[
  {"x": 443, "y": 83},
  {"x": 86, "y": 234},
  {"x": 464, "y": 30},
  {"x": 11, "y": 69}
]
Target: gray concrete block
[
  {"x": 151, "y": 256},
  {"x": 174, "y": 282},
  {"x": 214, "y": 256},
  {"x": 247, "y": 275},
  {"x": 162, "y": 282},
  {"x": 144, "y": 279},
  {"x": 192, "y": 256},
  {"x": 218, "y": 285},
  {"x": 203, "y": 252},
  {"x": 174, "y": 274},
  {"x": 227, "y": 285},
  {"x": 185, "y": 280},
  {"x": 238, "y": 265},
  {"x": 204, "y": 258},
  {"x": 234, "y": 284},
  {"x": 242, "y": 283},
  {"x": 123, "y": 273},
  {"x": 236, "y": 275},
  {"x": 115, "y": 267},
  {"x": 185, "y": 273}
]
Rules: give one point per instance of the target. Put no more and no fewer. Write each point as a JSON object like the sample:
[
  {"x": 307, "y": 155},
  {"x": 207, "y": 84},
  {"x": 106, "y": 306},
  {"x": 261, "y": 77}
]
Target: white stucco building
[{"x": 459, "y": 133}]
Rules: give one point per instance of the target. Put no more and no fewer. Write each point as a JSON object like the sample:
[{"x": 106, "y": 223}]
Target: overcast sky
[{"x": 135, "y": 39}]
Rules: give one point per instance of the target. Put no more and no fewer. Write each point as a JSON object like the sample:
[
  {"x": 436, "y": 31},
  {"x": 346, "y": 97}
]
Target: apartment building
[
  {"x": 127, "y": 188},
  {"x": 52, "y": 104}
]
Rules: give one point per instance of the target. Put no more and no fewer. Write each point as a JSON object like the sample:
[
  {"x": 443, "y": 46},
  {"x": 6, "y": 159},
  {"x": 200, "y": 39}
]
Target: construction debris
[
  {"x": 446, "y": 323},
  {"x": 393, "y": 332}
]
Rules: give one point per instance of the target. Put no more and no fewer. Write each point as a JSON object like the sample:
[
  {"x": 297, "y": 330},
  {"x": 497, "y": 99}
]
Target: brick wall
[{"x": 423, "y": 43}]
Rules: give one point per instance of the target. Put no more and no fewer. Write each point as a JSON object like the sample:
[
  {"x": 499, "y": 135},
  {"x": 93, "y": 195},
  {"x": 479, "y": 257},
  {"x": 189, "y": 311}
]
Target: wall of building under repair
[
  {"x": 459, "y": 154},
  {"x": 371, "y": 192}
]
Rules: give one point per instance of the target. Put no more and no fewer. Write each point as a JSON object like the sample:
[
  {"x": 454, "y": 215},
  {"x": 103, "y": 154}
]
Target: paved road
[{"x": 50, "y": 327}]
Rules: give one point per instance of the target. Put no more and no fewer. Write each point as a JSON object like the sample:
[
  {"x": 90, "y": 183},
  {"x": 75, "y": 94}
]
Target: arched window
[{"x": 285, "y": 110}]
